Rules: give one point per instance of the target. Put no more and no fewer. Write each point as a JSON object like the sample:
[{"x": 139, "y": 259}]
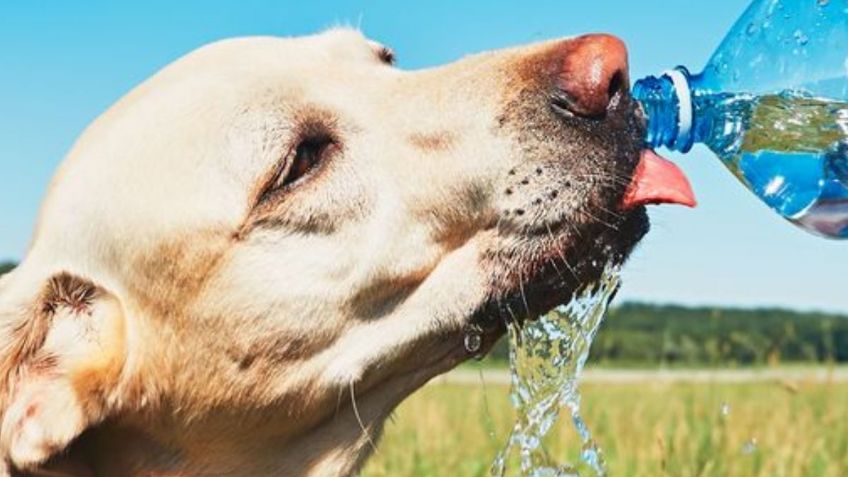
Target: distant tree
[
  {"x": 6, "y": 267},
  {"x": 635, "y": 334}
]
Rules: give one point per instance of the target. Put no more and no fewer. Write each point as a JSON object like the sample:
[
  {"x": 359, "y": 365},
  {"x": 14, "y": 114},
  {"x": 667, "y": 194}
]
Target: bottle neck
[{"x": 668, "y": 105}]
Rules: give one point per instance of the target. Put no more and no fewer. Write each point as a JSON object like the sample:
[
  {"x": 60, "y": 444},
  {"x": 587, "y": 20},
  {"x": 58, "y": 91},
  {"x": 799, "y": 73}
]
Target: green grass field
[{"x": 651, "y": 430}]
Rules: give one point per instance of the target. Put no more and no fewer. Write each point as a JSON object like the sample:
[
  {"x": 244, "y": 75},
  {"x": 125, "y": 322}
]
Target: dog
[{"x": 244, "y": 265}]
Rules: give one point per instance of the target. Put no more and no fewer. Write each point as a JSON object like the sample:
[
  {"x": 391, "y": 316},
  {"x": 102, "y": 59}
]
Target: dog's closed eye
[
  {"x": 309, "y": 154},
  {"x": 304, "y": 158}
]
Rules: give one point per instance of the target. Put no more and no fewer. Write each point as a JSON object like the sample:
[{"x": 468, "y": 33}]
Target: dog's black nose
[{"x": 593, "y": 71}]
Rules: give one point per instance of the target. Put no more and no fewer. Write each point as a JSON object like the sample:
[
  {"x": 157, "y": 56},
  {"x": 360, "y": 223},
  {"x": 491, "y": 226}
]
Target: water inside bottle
[
  {"x": 547, "y": 356},
  {"x": 791, "y": 149}
]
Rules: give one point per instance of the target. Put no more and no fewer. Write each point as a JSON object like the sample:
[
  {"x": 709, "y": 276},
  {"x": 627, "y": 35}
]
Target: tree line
[
  {"x": 638, "y": 334},
  {"x": 6, "y": 267}
]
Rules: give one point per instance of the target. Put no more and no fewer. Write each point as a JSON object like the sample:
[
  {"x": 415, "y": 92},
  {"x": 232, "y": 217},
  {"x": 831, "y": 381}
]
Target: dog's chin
[{"x": 551, "y": 268}]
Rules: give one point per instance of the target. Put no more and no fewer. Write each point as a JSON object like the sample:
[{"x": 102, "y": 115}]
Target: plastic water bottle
[{"x": 772, "y": 103}]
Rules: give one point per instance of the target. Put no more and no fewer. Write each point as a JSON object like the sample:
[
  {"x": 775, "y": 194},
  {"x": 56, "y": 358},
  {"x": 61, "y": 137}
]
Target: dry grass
[{"x": 672, "y": 429}]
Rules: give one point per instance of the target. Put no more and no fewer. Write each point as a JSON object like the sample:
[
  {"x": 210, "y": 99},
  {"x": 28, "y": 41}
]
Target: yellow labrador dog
[{"x": 244, "y": 265}]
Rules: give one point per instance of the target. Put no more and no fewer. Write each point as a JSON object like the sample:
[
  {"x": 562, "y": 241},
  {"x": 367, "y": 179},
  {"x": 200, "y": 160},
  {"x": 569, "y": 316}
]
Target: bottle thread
[{"x": 667, "y": 103}]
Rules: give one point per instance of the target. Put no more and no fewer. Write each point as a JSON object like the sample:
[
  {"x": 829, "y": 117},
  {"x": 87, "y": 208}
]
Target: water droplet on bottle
[
  {"x": 750, "y": 446},
  {"x": 770, "y": 10},
  {"x": 822, "y": 3},
  {"x": 473, "y": 341},
  {"x": 752, "y": 28},
  {"x": 800, "y": 37}
]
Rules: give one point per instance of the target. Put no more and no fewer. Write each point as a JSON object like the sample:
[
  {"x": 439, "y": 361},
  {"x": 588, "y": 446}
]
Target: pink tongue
[{"x": 657, "y": 181}]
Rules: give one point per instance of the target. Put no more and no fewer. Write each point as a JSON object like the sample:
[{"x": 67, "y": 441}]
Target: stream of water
[{"x": 547, "y": 356}]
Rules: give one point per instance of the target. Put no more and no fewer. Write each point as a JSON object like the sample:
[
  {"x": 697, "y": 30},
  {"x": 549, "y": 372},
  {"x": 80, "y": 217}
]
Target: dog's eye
[
  {"x": 386, "y": 55},
  {"x": 308, "y": 155},
  {"x": 302, "y": 162}
]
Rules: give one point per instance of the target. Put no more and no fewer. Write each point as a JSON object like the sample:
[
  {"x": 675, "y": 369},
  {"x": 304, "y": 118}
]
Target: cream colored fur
[{"x": 194, "y": 331}]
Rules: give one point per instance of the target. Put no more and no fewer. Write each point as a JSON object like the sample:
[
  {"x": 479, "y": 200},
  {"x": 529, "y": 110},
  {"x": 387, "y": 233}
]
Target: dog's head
[{"x": 270, "y": 228}]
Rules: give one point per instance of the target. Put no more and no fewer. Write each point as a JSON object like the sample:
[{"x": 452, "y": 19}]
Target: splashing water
[{"x": 546, "y": 358}]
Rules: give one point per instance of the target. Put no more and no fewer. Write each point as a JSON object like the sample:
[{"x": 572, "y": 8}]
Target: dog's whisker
[
  {"x": 573, "y": 228},
  {"x": 569, "y": 267},
  {"x": 602, "y": 179},
  {"x": 562, "y": 282},
  {"x": 600, "y": 220},
  {"x": 365, "y": 432},
  {"x": 512, "y": 316},
  {"x": 610, "y": 212},
  {"x": 523, "y": 294},
  {"x": 498, "y": 255},
  {"x": 338, "y": 402},
  {"x": 559, "y": 251}
]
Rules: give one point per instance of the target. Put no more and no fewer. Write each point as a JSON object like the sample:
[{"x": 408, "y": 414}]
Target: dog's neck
[
  {"x": 336, "y": 444},
  {"x": 339, "y": 446}
]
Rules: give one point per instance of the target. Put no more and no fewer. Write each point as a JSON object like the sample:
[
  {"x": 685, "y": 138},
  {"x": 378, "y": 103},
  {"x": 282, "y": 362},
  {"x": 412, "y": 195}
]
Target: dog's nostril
[
  {"x": 616, "y": 86},
  {"x": 593, "y": 72}
]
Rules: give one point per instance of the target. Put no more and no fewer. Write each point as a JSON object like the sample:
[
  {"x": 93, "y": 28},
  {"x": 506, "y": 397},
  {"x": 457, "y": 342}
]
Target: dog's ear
[{"x": 63, "y": 354}]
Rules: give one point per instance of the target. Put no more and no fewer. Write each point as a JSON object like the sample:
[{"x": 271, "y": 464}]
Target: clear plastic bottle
[{"x": 772, "y": 103}]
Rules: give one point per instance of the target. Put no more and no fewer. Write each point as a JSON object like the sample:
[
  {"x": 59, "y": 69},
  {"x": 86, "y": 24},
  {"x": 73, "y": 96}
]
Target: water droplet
[
  {"x": 473, "y": 341},
  {"x": 752, "y": 28},
  {"x": 750, "y": 446},
  {"x": 800, "y": 37},
  {"x": 725, "y": 409},
  {"x": 822, "y": 3}
]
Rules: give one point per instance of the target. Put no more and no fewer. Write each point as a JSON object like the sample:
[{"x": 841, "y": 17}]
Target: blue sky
[{"x": 62, "y": 63}]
